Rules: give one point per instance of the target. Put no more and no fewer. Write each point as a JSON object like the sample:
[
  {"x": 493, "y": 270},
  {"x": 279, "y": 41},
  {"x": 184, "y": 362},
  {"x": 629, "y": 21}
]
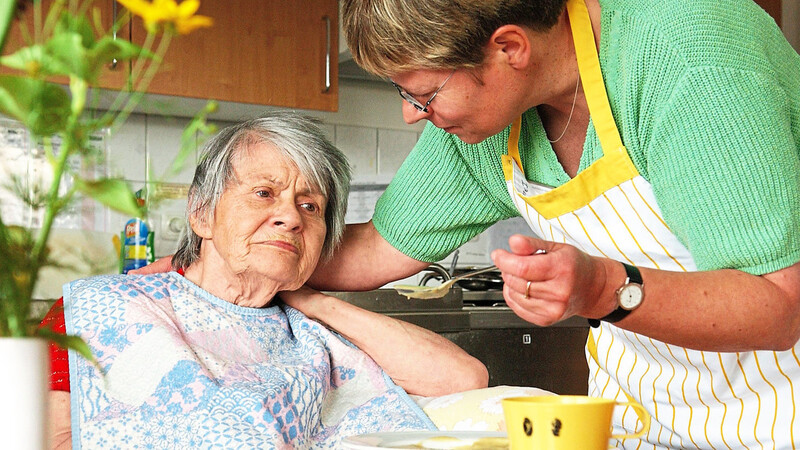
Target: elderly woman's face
[{"x": 268, "y": 221}]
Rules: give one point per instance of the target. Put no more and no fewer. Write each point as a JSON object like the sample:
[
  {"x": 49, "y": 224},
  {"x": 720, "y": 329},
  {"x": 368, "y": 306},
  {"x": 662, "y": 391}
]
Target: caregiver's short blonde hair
[{"x": 388, "y": 37}]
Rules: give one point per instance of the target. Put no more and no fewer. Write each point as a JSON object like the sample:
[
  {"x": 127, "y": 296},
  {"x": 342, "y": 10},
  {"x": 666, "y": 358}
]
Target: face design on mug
[
  {"x": 556, "y": 427},
  {"x": 567, "y": 422}
]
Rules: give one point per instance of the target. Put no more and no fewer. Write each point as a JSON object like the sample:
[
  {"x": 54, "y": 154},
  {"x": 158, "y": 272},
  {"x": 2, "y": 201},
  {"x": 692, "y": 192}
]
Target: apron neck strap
[
  {"x": 513, "y": 140},
  {"x": 593, "y": 86}
]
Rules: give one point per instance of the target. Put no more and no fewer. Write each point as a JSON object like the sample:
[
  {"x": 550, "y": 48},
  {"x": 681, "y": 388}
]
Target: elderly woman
[{"x": 211, "y": 358}]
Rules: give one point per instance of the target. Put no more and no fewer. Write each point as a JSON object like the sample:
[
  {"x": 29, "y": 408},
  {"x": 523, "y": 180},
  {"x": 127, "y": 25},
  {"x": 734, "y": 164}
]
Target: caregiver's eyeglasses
[{"x": 414, "y": 102}]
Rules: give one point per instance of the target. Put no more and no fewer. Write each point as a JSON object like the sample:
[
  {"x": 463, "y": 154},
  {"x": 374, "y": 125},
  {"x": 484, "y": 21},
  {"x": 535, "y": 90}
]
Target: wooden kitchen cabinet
[
  {"x": 113, "y": 77},
  {"x": 268, "y": 52}
]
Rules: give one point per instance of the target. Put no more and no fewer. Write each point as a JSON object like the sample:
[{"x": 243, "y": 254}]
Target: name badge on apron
[{"x": 524, "y": 187}]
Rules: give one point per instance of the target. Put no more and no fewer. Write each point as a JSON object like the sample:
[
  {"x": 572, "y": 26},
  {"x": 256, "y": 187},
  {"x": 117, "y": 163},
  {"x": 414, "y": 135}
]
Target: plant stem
[
  {"x": 7, "y": 10},
  {"x": 145, "y": 79},
  {"x": 50, "y": 212},
  {"x": 115, "y": 114},
  {"x": 79, "y": 91},
  {"x": 52, "y": 17}
]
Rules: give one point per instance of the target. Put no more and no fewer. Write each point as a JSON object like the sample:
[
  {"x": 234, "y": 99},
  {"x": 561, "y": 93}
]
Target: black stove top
[{"x": 483, "y": 298}]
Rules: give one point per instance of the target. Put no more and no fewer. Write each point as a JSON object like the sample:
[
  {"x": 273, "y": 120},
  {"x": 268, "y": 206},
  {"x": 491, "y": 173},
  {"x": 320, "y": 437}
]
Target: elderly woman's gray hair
[{"x": 301, "y": 140}]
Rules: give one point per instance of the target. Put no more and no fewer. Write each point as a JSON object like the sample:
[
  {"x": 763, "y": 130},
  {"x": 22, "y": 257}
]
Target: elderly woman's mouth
[{"x": 283, "y": 245}]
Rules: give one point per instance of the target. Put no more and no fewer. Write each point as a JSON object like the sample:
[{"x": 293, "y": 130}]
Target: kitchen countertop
[
  {"x": 459, "y": 309},
  {"x": 515, "y": 352}
]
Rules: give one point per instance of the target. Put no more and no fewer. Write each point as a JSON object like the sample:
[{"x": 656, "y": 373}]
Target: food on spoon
[{"x": 421, "y": 292}]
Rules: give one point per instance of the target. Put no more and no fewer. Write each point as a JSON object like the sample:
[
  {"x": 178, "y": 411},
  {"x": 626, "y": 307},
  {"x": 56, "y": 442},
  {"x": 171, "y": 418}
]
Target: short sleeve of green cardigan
[
  {"x": 445, "y": 193},
  {"x": 724, "y": 162}
]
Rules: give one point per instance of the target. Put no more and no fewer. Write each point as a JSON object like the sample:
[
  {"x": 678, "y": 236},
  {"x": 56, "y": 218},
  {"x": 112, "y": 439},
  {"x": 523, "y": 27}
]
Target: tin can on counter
[{"x": 137, "y": 245}]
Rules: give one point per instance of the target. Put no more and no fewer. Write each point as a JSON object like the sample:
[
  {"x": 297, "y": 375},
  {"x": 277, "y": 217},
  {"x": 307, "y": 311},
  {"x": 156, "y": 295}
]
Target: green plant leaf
[
  {"x": 112, "y": 192},
  {"x": 79, "y": 25},
  {"x": 108, "y": 49},
  {"x": 68, "y": 50},
  {"x": 35, "y": 61},
  {"x": 7, "y": 10},
  {"x": 68, "y": 341},
  {"x": 42, "y": 107}
]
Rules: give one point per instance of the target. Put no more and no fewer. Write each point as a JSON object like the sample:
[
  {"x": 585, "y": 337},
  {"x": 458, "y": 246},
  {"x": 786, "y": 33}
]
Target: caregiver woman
[{"x": 653, "y": 146}]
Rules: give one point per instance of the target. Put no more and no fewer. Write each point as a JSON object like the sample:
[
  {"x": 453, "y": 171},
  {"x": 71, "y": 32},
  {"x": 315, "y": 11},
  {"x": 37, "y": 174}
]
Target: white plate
[{"x": 412, "y": 439}]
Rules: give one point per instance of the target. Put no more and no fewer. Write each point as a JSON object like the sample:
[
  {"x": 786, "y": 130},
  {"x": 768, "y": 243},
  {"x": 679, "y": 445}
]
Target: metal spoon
[{"x": 426, "y": 292}]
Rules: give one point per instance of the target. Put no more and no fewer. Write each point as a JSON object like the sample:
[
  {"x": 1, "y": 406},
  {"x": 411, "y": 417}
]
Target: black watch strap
[{"x": 634, "y": 276}]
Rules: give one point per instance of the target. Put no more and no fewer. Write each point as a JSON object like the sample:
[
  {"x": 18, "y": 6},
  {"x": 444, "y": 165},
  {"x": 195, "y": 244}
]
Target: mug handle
[{"x": 643, "y": 415}]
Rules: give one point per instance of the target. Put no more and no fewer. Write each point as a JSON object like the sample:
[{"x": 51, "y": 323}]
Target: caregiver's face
[
  {"x": 468, "y": 105},
  {"x": 269, "y": 221}
]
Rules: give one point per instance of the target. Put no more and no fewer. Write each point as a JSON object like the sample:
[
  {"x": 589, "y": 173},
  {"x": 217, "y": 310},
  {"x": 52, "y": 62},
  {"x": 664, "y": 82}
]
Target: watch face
[{"x": 630, "y": 296}]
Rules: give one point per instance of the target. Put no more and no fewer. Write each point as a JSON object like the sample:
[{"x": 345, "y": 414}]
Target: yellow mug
[{"x": 565, "y": 422}]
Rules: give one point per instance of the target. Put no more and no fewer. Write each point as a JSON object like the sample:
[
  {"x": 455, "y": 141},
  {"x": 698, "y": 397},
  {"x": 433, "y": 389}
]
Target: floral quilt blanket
[{"x": 181, "y": 368}]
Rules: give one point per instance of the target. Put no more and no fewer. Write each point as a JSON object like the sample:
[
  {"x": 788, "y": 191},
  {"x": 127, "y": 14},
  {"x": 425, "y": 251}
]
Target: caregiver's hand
[
  {"x": 303, "y": 300},
  {"x": 564, "y": 281},
  {"x": 160, "y": 265},
  {"x": 419, "y": 360}
]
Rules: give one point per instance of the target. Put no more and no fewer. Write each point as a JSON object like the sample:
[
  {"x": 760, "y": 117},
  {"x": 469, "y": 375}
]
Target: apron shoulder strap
[{"x": 592, "y": 78}]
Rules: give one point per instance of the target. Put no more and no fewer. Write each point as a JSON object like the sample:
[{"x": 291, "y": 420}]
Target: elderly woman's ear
[{"x": 200, "y": 225}]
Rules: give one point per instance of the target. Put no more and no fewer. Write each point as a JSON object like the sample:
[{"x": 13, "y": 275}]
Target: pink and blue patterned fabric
[{"x": 185, "y": 369}]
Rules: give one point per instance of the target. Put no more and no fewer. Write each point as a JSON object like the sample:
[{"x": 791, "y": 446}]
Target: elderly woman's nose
[{"x": 287, "y": 214}]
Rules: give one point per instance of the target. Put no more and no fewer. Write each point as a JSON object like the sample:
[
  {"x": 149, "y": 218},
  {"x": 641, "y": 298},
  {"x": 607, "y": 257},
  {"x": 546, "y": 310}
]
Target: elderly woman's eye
[
  {"x": 263, "y": 193},
  {"x": 310, "y": 207}
]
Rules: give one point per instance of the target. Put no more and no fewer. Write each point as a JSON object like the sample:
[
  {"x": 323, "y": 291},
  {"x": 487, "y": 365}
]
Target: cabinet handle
[
  {"x": 327, "y": 53},
  {"x": 114, "y": 6}
]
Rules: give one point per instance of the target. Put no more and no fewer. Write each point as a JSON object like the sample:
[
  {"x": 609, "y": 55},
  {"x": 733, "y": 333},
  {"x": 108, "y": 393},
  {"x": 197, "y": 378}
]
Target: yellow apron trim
[
  {"x": 513, "y": 148},
  {"x": 614, "y": 167},
  {"x": 604, "y": 174},
  {"x": 591, "y": 76}
]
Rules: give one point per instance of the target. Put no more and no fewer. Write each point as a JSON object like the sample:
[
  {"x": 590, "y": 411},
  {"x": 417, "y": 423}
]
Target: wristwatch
[{"x": 629, "y": 297}]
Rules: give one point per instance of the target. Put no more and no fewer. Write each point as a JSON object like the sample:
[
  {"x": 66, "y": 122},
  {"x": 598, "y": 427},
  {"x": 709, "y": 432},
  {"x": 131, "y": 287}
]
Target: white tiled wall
[
  {"x": 128, "y": 150},
  {"x": 393, "y": 147},
  {"x": 162, "y": 141},
  {"x": 360, "y": 144}
]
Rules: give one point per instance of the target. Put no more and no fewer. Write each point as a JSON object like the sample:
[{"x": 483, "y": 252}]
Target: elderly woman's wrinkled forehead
[{"x": 251, "y": 146}]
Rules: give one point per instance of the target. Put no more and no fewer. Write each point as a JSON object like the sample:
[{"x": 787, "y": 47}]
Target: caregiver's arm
[
  {"x": 60, "y": 423},
  {"x": 418, "y": 360},
  {"x": 363, "y": 261}
]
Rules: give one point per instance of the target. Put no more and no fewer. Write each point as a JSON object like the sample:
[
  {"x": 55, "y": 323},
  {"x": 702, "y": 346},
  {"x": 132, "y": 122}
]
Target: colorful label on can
[{"x": 134, "y": 252}]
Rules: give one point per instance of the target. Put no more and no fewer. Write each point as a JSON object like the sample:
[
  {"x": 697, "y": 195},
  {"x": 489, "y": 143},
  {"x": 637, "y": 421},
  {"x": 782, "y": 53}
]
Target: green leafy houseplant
[{"x": 68, "y": 43}]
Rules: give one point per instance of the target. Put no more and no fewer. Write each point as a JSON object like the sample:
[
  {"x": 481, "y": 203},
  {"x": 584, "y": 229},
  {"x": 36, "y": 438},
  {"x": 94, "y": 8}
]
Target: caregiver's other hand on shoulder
[
  {"x": 418, "y": 360},
  {"x": 160, "y": 265},
  {"x": 546, "y": 282}
]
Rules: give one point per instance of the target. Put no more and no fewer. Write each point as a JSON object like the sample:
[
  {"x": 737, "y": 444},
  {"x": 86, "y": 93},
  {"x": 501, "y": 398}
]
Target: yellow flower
[{"x": 179, "y": 17}]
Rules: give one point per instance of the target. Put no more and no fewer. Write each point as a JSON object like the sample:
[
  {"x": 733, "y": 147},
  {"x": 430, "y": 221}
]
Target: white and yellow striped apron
[{"x": 697, "y": 399}]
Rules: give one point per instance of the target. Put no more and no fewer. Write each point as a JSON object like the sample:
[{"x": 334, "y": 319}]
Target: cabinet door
[
  {"x": 268, "y": 52},
  {"x": 22, "y": 34}
]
